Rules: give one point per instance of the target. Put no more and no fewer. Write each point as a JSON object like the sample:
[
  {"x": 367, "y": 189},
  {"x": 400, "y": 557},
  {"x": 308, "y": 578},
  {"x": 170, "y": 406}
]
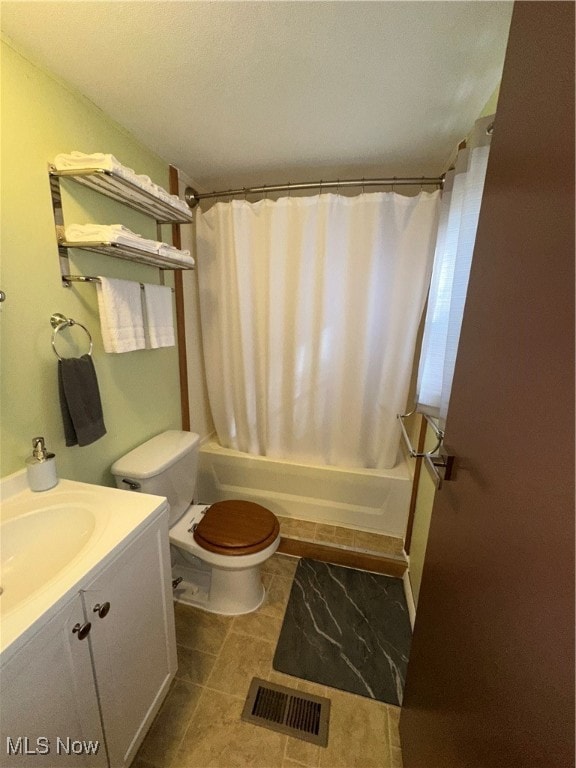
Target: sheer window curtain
[
  {"x": 310, "y": 309},
  {"x": 459, "y": 214}
]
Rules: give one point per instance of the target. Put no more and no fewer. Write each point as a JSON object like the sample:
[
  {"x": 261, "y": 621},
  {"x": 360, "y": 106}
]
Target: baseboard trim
[{"x": 388, "y": 566}]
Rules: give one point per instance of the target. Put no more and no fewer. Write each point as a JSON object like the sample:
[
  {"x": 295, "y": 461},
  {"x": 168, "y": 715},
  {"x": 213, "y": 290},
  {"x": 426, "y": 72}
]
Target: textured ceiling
[{"x": 240, "y": 93}]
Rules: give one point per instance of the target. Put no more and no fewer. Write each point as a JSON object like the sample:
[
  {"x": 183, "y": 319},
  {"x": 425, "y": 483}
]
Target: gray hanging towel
[{"x": 80, "y": 401}]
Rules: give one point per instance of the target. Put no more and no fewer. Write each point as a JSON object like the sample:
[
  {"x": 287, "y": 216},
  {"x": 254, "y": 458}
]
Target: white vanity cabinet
[
  {"x": 49, "y": 698},
  {"x": 100, "y": 668},
  {"x": 133, "y": 644}
]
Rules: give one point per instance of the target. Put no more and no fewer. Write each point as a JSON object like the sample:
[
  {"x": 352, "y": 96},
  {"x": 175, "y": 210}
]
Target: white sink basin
[
  {"x": 52, "y": 540},
  {"x": 35, "y": 547}
]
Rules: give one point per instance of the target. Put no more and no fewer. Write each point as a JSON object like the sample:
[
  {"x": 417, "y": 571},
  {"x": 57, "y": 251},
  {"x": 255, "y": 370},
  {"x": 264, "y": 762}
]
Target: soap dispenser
[{"x": 41, "y": 467}]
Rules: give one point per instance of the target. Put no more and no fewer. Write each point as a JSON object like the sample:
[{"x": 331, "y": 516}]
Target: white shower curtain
[{"x": 310, "y": 309}]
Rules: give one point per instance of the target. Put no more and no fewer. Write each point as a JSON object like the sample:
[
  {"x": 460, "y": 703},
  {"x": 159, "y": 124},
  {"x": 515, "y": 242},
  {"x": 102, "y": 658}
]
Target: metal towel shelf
[
  {"x": 116, "y": 187},
  {"x": 435, "y": 459},
  {"x": 90, "y": 279}
]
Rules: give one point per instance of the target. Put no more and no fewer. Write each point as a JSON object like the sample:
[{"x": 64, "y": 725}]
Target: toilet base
[
  {"x": 229, "y": 593},
  {"x": 219, "y": 583}
]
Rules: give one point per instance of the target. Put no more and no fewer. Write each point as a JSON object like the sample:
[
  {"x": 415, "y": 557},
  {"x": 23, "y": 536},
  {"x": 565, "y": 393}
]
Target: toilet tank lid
[{"x": 155, "y": 455}]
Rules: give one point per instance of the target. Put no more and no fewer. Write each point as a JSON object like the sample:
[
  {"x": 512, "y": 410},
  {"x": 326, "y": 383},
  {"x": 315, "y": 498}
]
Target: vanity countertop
[{"x": 52, "y": 541}]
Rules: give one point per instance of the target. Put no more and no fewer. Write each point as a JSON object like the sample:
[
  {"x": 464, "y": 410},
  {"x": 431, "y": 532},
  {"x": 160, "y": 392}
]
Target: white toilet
[{"x": 217, "y": 549}]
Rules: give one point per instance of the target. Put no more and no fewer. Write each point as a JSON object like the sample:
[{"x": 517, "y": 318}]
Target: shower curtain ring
[
  {"x": 265, "y": 192},
  {"x": 245, "y": 193},
  {"x": 289, "y": 189},
  {"x": 338, "y": 186},
  {"x": 363, "y": 184},
  {"x": 320, "y": 186},
  {"x": 394, "y": 183}
]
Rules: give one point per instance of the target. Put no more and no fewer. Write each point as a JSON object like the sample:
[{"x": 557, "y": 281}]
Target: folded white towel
[
  {"x": 159, "y": 320},
  {"x": 116, "y": 233},
  {"x": 82, "y": 161},
  {"x": 181, "y": 257},
  {"x": 173, "y": 200},
  {"x": 121, "y": 317},
  {"x": 108, "y": 233}
]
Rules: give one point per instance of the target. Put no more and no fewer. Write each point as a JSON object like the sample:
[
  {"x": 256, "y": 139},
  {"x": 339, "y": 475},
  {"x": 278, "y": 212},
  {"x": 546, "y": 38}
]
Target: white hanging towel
[
  {"x": 121, "y": 317},
  {"x": 159, "y": 321}
]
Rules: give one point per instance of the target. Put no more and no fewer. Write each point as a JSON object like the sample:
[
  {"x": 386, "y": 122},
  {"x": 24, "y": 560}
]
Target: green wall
[
  {"x": 42, "y": 117},
  {"x": 491, "y": 104}
]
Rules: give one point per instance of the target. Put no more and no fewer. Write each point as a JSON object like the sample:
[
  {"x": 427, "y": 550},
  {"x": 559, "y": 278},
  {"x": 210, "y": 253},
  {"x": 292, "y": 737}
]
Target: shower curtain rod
[{"x": 193, "y": 197}]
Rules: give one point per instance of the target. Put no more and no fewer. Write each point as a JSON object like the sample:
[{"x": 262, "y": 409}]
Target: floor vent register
[{"x": 286, "y": 710}]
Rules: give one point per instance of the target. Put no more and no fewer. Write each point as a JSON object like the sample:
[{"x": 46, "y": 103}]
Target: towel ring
[{"x": 58, "y": 323}]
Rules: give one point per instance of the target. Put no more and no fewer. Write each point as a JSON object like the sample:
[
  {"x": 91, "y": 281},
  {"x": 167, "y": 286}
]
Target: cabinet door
[
  {"x": 49, "y": 704},
  {"x": 133, "y": 642}
]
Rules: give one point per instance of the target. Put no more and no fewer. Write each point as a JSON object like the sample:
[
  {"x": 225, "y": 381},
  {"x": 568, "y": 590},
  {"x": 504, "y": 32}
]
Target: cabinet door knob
[
  {"x": 83, "y": 630},
  {"x": 101, "y": 609}
]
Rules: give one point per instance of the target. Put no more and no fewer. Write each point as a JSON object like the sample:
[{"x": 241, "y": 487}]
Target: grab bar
[{"x": 435, "y": 459}]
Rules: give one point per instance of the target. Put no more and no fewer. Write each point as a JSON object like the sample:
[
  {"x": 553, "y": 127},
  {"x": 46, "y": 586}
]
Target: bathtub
[{"x": 364, "y": 499}]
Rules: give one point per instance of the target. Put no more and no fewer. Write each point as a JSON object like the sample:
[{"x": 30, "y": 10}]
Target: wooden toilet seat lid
[{"x": 236, "y": 528}]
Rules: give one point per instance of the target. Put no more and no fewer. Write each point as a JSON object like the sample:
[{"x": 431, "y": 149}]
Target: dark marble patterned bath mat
[{"x": 347, "y": 629}]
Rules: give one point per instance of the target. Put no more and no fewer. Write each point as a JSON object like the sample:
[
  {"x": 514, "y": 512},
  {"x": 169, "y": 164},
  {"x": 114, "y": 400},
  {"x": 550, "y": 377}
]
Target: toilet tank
[{"x": 165, "y": 465}]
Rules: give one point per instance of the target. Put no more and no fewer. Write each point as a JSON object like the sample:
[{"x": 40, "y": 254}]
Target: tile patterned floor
[
  {"x": 348, "y": 538},
  {"x": 199, "y": 723}
]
